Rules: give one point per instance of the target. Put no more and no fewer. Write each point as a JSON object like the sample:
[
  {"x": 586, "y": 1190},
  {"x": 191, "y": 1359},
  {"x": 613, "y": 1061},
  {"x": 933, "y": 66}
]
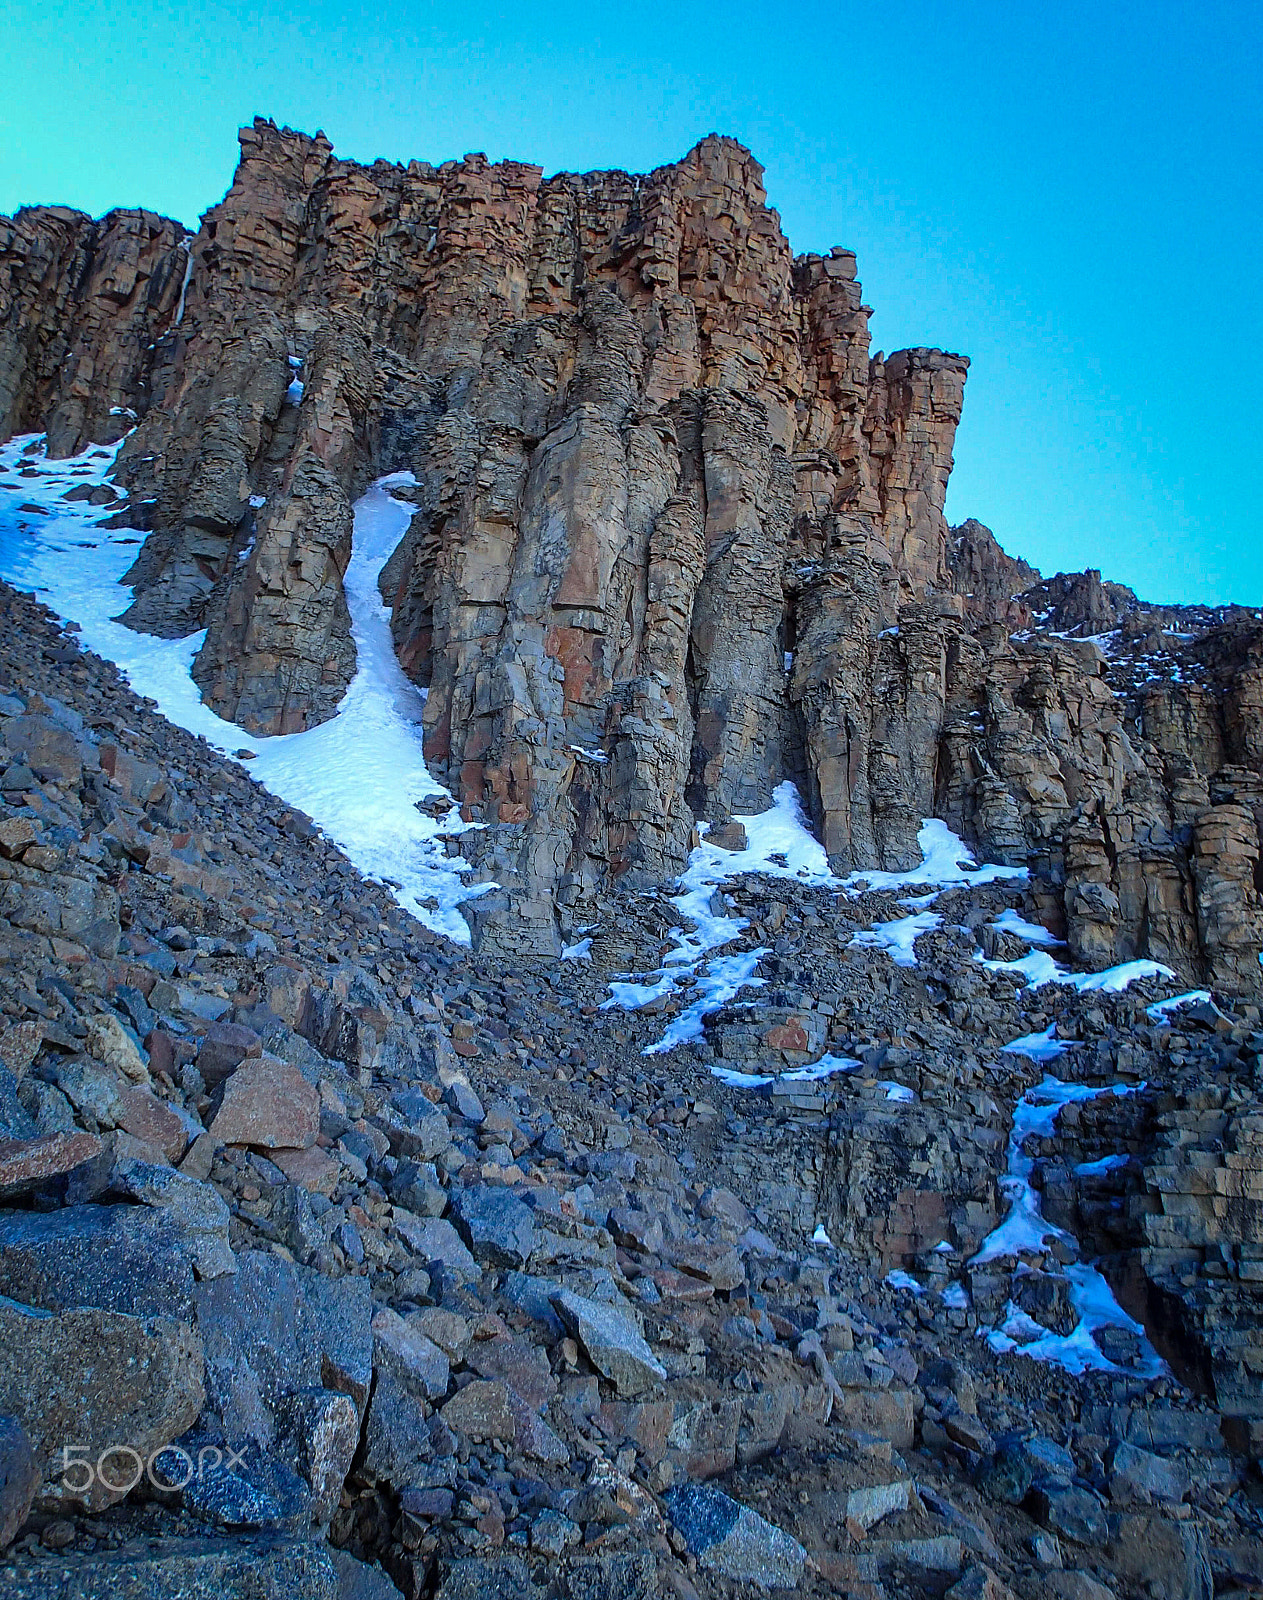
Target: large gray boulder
[
  {"x": 266, "y": 1568},
  {"x": 730, "y": 1539},
  {"x": 273, "y": 1328},
  {"x": 121, "y": 1258},
  {"x": 87, "y": 1381}
]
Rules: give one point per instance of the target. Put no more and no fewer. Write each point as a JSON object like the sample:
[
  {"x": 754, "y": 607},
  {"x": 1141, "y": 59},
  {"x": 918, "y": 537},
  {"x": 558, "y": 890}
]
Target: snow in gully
[{"x": 359, "y": 775}]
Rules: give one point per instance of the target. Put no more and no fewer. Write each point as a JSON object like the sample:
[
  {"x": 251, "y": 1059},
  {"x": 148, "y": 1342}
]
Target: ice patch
[
  {"x": 898, "y": 937},
  {"x": 1160, "y": 1010},
  {"x": 1115, "y": 979},
  {"x": 722, "y": 981},
  {"x": 897, "y": 1092},
  {"x": 1009, "y": 922},
  {"x": 1077, "y": 1352},
  {"x": 579, "y": 951},
  {"x": 741, "y": 1080},
  {"x": 358, "y": 776},
  {"x": 956, "y": 1297},
  {"x": 899, "y": 1279}
]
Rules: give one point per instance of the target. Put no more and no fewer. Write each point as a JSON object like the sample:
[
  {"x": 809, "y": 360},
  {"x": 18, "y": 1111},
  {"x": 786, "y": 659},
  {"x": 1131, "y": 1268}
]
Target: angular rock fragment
[
  {"x": 734, "y": 1541},
  {"x": 497, "y": 1227},
  {"x": 25, "y": 1164},
  {"x": 96, "y": 1381},
  {"x": 611, "y": 1341},
  {"x": 267, "y": 1104}
]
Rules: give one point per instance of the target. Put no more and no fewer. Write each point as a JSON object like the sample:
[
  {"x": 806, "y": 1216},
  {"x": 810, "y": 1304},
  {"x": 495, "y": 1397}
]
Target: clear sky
[{"x": 1069, "y": 194}]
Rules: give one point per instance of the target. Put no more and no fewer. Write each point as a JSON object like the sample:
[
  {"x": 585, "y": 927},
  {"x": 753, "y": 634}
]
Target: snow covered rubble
[
  {"x": 1025, "y": 1231},
  {"x": 359, "y": 776},
  {"x": 779, "y": 844}
]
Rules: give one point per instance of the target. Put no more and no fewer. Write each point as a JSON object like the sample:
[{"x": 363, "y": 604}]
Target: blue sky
[{"x": 1070, "y": 195}]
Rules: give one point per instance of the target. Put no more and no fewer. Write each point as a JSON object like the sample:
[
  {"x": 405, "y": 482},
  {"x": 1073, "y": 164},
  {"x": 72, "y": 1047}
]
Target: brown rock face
[
  {"x": 81, "y": 306},
  {"x": 677, "y": 535}
]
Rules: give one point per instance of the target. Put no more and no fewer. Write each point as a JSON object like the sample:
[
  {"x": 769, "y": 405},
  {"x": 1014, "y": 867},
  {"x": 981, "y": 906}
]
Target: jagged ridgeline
[{"x": 669, "y": 508}]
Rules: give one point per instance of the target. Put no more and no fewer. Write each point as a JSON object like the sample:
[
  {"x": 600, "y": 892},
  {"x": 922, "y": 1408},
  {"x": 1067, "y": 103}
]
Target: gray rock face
[
  {"x": 116, "y": 1258},
  {"x": 734, "y": 1541},
  {"x": 265, "y": 1568},
  {"x": 272, "y": 1329},
  {"x": 96, "y": 1381}
]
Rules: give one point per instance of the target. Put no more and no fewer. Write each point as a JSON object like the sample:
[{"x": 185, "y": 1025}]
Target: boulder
[
  {"x": 269, "y": 1105},
  {"x": 27, "y": 1164},
  {"x": 414, "y": 1125},
  {"x": 733, "y": 1541},
  {"x": 611, "y": 1341},
  {"x": 116, "y": 1258},
  {"x": 272, "y": 1329},
  {"x": 408, "y": 1355},
  {"x": 498, "y": 1228},
  {"x": 263, "y": 1568},
  {"x": 87, "y": 1381}
]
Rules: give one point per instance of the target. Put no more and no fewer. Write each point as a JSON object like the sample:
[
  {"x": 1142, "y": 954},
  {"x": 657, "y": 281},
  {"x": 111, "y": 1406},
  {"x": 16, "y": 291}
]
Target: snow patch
[
  {"x": 187, "y": 246},
  {"x": 1041, "y": 1047},
  {"x": 1160, "y": 1010},
  {"x": 1039, "y": 968},
  {"x": 779, "y": 845},
  {"x": 1009, "y": 922},
  {"x": 946, "y": 863},
  {"x": 898, "y": 937},
  {"x": 1025, "y": 1230},
  {"x": 358, "y": 776}
]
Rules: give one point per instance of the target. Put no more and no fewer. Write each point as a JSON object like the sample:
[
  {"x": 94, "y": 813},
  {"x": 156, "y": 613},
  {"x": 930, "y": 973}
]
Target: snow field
[{"x": 358, "y": 776}]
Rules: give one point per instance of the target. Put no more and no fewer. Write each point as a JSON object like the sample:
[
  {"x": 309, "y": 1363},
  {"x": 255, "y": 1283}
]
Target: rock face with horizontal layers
[{"x": 677, "y": 534}]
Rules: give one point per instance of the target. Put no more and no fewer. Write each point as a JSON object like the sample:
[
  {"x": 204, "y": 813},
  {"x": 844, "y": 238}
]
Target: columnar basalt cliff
[{"x": 679, "y": 534}]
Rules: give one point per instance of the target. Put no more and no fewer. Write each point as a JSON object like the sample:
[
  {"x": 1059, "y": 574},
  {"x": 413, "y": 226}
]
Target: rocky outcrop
[
  {"x": 990, "y": 582},
  {"x": 678, "y": 534},
  {"x": 82, "y": 305}
]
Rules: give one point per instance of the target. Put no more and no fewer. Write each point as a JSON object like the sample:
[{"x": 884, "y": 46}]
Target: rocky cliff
[{"x": 678, "y": 534}]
